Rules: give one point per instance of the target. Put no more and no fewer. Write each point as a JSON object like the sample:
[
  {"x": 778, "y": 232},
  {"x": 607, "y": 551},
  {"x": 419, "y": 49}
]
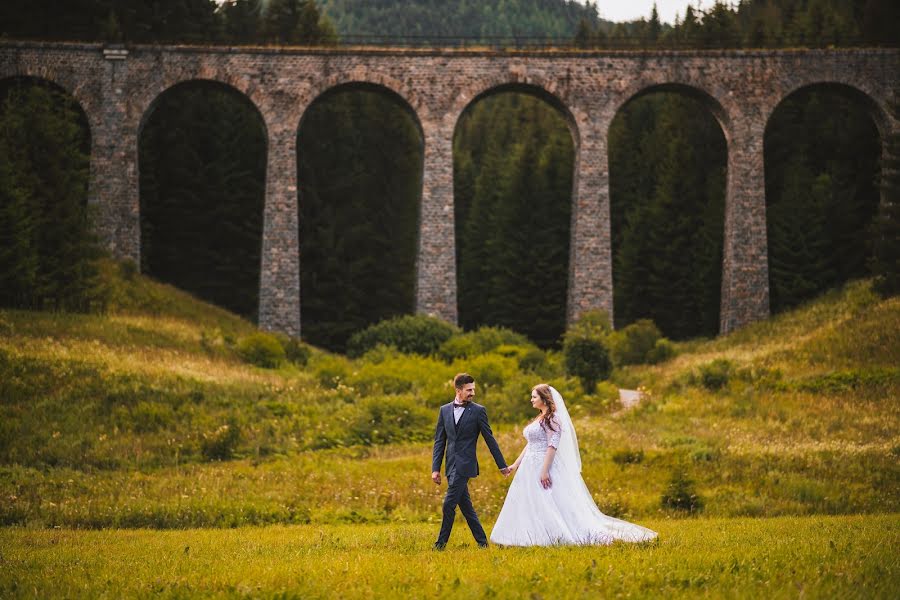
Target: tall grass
[{"x": 788, "y": 557}]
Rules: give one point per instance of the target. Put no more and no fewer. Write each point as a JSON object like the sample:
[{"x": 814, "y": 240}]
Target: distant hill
[{"x": 475, "y": 18}]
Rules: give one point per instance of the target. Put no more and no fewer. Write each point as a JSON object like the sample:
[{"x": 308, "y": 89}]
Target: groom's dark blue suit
[{"x": 460, "y": 439}]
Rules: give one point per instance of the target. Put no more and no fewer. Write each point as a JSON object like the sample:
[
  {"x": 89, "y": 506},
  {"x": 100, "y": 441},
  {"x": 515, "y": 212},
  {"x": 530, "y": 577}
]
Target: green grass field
[
  {"x": 785, "y": 557},
  {"x": 127, "y": 437}
]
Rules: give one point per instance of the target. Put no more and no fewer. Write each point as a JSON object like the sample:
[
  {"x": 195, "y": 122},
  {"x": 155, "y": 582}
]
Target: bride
[{"x": 548, "y": 502}]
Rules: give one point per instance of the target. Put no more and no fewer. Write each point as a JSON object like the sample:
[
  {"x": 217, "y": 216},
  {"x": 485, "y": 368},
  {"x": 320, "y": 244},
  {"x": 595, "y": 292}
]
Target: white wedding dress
[{"x": 565, "y": 513}]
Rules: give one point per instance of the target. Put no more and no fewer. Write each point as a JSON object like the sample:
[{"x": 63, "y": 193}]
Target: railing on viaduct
[{"x": 118, "y": 87}]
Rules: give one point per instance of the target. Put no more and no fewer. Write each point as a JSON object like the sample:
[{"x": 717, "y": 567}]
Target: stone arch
[
  {"x": 89, "y": 116},
  {"x": 406, "y": 99},
  {"x": 851, "y": 92},
  {"x": 469, "y": 98},
  {"x": 79, "y": 88},
  {"x": 149, "y": 102},
  {"x": 708, "y": 100}
]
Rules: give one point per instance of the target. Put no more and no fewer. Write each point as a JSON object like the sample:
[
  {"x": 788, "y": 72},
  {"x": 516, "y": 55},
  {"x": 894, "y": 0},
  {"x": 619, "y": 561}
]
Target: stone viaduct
[{"x": 117, "y": 88}]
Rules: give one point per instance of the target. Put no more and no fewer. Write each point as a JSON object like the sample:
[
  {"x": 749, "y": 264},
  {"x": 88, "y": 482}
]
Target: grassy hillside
[{"x": 148, "y": 417}]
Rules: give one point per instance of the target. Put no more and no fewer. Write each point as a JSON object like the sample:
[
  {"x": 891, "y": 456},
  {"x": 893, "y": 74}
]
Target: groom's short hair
[{"x": 462, "y": 379}]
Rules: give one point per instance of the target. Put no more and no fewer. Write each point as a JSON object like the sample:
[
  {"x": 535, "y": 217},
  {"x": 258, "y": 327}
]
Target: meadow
[
  {"x": 141, "y": 437},
  {"x": 785, "y": 557}
]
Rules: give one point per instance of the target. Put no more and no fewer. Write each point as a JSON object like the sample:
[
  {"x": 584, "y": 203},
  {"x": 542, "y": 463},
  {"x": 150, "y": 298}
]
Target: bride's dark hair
[{"x": 543, "y": 390}]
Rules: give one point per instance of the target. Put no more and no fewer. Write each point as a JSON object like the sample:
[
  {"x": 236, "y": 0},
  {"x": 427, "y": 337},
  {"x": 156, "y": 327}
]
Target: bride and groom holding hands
[{"x": 547, "y": 502}]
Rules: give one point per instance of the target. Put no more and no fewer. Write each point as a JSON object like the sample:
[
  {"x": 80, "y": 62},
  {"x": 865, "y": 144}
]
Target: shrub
[
  {"x": 587, "y": 359},
  {"x": 714, "y": 376},
  {"x": 491, "y": 370},
  {"x": 221, "y": 444},
  {"x": 662, "y": 351},
  {"x": 295, "y": 351},
  {"x": 410, "y": 334},
  {"x": 382, "y": 378},
  {"x": 632, "y": 344},
  {"x": 480, "y": 341},
  {"x": 593, "y": 323},
  {"x": 379, "y": 354},
  {"x": 628, "y": 457},
  {"x": 390, "y": 419},
  {"x": 261, "y": 349},
  {"x": 151, "y": 416},
  {"x": 679, "y": 493},
  {"x": 533, "y": 360},
  {"x": 330, "y": 371}
]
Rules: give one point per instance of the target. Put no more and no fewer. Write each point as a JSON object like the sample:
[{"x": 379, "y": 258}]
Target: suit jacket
[{"x": 460, "y": 440}]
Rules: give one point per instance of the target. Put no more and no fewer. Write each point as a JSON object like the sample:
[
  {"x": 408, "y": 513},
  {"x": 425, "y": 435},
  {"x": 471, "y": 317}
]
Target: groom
[{"x": 458, "y": 425}]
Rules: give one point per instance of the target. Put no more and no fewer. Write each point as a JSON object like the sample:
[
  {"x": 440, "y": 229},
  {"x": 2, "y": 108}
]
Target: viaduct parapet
[{"x": 118, "y": 88}]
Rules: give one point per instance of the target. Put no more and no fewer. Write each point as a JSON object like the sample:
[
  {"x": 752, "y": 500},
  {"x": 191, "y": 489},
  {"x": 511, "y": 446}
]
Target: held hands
[
  {"x": 509, "y": 470},
  {"x": 545, "y": 480},
  {"x": 436, "y": 477}
]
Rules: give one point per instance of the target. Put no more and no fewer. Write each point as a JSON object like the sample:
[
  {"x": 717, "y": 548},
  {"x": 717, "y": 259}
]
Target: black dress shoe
[
  {"x": 483, "y": 545},
  {"x": 439, "y": 546}
]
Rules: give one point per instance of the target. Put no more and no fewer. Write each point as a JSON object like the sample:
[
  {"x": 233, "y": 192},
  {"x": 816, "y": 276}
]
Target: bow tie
[{"x": 459, "y": 405}]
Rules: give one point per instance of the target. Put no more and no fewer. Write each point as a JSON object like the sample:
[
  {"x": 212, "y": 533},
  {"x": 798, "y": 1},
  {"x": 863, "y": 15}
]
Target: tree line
[{"x": 202, "y": 162}]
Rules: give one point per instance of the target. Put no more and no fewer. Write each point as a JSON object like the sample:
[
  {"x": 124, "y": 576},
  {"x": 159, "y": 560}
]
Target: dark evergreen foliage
[
  {"x": 822, "y": 153},
  {"x": 360, "y": 173},
  {"x": 48, "y": 252},
  {"x": 667, "y": 187},
  {"x": 513, "y": 165},
  {"x": 202, "y": 167},
  {"x": 474, "y": 19}
]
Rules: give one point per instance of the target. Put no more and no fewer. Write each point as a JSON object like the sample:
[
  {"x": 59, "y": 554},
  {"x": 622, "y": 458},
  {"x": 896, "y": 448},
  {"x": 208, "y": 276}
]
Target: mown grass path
[{"x": 785, "y": 557}]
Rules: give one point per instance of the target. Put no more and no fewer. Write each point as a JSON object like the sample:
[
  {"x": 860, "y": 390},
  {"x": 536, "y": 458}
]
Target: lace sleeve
[{"x": 554, "y": 434}]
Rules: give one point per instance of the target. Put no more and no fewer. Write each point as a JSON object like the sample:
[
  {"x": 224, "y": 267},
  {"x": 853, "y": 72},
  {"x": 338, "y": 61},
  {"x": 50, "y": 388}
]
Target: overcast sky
[{"x": 630, "y": 10}]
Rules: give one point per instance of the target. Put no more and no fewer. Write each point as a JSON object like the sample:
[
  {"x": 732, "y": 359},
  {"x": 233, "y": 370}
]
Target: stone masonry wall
[{"x": 117, "y": 88}]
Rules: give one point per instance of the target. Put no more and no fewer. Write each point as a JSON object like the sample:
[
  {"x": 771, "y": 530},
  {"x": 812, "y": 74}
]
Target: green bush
[
  {"x": 662, "y": 351},
  {"x": 382, "y": 378},
  {"x": 680, "y": 494},
  {"x": 331, "y": 371},
  {"x": 587, "y": 359},
  {"x": 295, "y": 351},
  {"x": 714, "y": 376},
  {"x": 480, "y": 341},
  {"x": 632, "y": 344},
  {"x": 411, "y": 334},
  {"x": 593, "y": 323},
  {"x": 262, "y": 349},
  {"x": 221, "y": 443},
  {"x": 628, "y": 457},
  {"x": 490, "y": 370},
  {"x": 533, "y": 360},
  {"x": 389, "y": 419},
  {"x": 151, "y": 416}
]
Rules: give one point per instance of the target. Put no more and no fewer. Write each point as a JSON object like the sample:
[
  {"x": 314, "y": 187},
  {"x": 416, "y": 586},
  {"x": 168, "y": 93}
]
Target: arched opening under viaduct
[
  {"x": 360, "y": 160},
  {"x": 822, "y": 157},
  {"x": 668, "y": 159},
  {"x": 47, "y": 248},
  {"x": 202, "y": 163},
  {"x": 513, "y": 154}
]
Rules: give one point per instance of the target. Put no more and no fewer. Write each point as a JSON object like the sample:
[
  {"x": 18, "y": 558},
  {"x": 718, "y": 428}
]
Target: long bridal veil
[
  {"x": 568, "y": 452},
  {"x": 587, "y": 524}
]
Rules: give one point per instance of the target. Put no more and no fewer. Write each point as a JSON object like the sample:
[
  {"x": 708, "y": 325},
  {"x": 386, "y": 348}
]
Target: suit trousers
[{"x": 458, "y": 495}]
